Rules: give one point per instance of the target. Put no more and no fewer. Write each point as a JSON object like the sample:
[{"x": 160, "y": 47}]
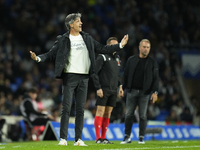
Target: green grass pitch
[{"x": 149, "y": 145}]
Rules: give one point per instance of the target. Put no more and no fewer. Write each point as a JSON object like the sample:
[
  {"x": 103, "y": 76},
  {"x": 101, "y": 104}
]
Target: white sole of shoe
[
  {"x": 80, "y": 145},
  {"x": 62, "y": 144},
  {"x": 125, "y": 143}
]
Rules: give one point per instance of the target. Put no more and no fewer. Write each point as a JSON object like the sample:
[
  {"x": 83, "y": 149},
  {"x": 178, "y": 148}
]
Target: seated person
[
  {"x": 2, "y": 122},
  {"x": 29, "y": 110}
]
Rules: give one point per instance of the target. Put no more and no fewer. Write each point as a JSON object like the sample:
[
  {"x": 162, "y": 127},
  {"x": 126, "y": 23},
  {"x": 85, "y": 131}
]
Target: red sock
[
  {"x": 98, "y": 125},
  {"x": 105, "y": 125}
]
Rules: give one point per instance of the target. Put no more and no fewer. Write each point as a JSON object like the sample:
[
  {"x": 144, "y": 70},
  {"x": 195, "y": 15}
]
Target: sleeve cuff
[
  {"x": 120, "y": 45},
  {"x": 38, "y": 59},
  {"x": 155, "y": 92}
]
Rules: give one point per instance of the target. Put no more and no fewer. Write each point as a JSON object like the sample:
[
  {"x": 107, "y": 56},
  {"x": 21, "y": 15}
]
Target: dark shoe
[
  {"x": 106, "y": 141},
  {"x": 99, "y": 141},
  {"x": 126, "y": 140},
  {"x": 141, "y": 141}
]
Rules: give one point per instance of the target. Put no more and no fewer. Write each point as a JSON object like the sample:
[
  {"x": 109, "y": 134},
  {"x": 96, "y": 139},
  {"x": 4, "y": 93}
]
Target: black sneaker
[
  {"x": 126, "y": 140},
  {"x": 141, "y": 141},
  {"x": 99, "y": 141},
  {"x": 106, "y": 141}
]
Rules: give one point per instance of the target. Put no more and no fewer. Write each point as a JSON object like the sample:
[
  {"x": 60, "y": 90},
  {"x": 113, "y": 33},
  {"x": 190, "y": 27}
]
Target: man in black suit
[
  {"x": 141, "y": 80},
  {"x": 74, "y": 56}
]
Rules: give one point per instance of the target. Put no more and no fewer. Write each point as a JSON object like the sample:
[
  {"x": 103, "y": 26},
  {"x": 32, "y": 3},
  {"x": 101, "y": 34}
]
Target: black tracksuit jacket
[
  {"x": 27, "y": 109},
  {"x": 107, "y": 68}
]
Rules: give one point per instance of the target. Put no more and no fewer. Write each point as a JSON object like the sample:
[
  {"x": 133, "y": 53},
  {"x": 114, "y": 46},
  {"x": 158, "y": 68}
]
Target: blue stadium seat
[
  {"x": 18, "y": 81},
  {"x": 13, "y": 87},
  {"x": 163, "y": 114}
]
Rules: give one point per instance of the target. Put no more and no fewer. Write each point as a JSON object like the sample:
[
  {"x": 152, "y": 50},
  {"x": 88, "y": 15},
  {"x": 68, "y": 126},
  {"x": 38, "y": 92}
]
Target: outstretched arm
[
  {"x": 50, "y": 55},
  {"x": 106, "y": 49}
]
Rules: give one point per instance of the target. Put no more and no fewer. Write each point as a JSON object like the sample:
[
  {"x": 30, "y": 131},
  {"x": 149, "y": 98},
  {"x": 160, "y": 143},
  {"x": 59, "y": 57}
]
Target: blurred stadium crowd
[{"x": 34, "y": 24}]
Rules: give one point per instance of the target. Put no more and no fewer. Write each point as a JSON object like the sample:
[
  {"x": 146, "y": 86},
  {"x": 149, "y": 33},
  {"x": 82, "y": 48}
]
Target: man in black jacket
[
  {"x": 74, "y": 56},
  {"x": 141, "y": 81},
  {"x": 107, "y": 83}
]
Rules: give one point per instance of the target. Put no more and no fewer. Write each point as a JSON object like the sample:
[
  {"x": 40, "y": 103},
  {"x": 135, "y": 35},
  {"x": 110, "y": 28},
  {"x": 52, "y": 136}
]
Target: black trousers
[
  {"x": 136, "y": 98},
  {"x": 77, "y": 85}
]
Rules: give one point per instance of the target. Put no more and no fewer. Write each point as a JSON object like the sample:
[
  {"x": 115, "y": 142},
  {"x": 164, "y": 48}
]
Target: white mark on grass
[
  {"x": 2, "y": 147},
  {"x": 166, "y": 147},
  {"x": 16, "y": 146},
  {"x": 174, "y": 141},
  {"x": 166, "y": 142}
]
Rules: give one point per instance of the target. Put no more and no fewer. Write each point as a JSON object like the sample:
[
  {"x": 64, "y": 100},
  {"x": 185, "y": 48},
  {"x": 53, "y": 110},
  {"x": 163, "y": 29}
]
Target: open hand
[
  {"x": 100, "y": 93},
  {"x": 121, "y": 92},
  {"x": 33, "y": 56},
  {"x": 124, "y": 40},
  {"x": 154, "y": 97}
]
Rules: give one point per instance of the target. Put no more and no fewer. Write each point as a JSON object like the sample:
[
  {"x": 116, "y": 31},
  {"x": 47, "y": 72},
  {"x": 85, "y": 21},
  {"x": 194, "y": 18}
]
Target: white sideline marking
[
  {"x": 169, "y": 147},
  {"x": 2, "y": 147}
]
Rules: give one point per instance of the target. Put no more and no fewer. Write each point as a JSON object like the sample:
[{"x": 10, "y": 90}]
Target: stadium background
[{"x": 172, "y": 26}]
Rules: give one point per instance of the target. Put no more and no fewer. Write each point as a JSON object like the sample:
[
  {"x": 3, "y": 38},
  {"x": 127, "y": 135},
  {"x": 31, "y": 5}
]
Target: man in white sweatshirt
[{"x": 74, "y": 56}]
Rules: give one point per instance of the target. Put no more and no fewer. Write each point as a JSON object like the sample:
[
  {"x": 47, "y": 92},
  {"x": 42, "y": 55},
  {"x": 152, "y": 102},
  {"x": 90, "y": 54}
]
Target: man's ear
[{"x": 71, "y": 25}]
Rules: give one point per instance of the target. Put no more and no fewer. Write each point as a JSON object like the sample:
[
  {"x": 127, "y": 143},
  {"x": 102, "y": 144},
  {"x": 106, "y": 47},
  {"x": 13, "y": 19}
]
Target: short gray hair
[
  {"x": 144, "y": 40},
  {"x": 70, "y": 19},
  {"x": 110, "y": 39}
]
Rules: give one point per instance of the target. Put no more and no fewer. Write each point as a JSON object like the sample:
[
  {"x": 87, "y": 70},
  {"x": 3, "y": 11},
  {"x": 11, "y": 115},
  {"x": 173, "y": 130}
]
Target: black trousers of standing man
[
  {"x": 76, "y": 84},
  {"x": 136, "y": 98}
]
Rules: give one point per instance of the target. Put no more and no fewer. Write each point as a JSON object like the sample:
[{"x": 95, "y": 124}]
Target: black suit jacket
[
  {"x": 61, "y": 48},
  {"x": 151, "y": 75}
]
